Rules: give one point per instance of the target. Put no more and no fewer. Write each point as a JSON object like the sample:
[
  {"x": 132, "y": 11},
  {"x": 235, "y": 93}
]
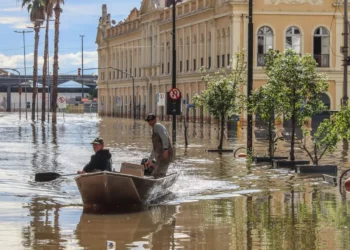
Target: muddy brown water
[{"x": 218, "y": 202}]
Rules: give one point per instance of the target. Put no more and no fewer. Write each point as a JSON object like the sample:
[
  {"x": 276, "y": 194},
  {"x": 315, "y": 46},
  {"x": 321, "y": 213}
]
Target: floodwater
[{"x": 218, "y": 202}]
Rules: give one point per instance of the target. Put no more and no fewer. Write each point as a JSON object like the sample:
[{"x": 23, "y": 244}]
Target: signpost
[
  {"x": 161, "y": 99},
  {"x": 61, "y": 103},
  {"x": 175, "y": 94}
]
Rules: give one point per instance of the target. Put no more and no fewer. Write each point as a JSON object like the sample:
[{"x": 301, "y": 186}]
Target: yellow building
[{"x": 208, "y": 33}]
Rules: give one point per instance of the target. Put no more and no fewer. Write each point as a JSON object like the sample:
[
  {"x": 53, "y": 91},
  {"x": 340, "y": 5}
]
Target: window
[
  {"x": 209, "y": 62},
  {"x": 162, "y": 68},
  {"x": 139, "y": 72},
  {"x": 218, "y": 61},
  {"x": 202, "y": 62},
  {"x": 187, "y": 66},
  {"x": 194, "y": 64},
  {"x": 293, "y": 39},
  {"x": 321, "y": 47},
  {"x": 228, "y": 59},
  {"x": 223, "y": 61},
  {"x": 168, "y": 68},
  {"x": 265, "y": 42},
  {"x": 180, "y": 66}
]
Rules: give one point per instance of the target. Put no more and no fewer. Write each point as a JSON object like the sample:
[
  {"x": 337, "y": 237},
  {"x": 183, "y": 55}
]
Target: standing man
[{"x": 162, "y": 150}]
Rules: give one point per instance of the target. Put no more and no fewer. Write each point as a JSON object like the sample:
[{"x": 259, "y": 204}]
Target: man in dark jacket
[{"x": 101, "y": 160}]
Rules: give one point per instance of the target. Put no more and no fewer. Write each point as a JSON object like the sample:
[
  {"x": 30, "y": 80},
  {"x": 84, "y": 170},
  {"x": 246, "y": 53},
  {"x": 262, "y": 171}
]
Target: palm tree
[
  {"x": 48, "y": 8},
  {"x": 37, "y": 15},
  {"x": 57, "y": 10}
]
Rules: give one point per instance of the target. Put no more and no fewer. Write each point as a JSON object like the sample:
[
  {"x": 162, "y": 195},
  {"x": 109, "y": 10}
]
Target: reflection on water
[{"x": 218, "y": 202}]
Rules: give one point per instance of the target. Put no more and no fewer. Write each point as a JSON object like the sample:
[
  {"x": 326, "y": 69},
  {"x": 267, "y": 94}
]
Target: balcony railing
[{"x": 322, "y": 60}]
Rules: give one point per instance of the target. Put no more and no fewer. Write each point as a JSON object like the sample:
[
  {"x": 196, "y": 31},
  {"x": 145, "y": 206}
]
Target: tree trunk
[
  {"x": 271, "y": 141},
  {"x": 46, "y": 53},
  {"x": 35, "y": 68},
  {"x": 222, "y": 125},
  {"x": 57, "y": 10},
  {"x": 292, "y": 141}
]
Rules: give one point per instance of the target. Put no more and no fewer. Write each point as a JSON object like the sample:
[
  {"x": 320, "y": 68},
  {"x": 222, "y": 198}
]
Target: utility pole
[
  {"x": 344, "y": 100},
  {"x": 25, "y": 67},
  {"x": 174, "y": 71},
  {"x": 82, "y": 66},
  {"x": 250, "y": 78}
]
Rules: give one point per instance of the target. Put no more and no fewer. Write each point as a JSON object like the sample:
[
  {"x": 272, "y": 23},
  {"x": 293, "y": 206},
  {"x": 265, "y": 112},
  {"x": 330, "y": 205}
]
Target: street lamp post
[
  {"x": 133, "y": 85},
  {"x": 25, "y": 68},
  {"x": 250, "y": 78},
  {"x": 82, "y": 66},
  {"x": 174, "y": 70}
]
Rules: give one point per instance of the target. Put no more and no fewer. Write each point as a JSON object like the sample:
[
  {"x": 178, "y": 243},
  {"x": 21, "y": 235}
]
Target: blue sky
[{"x": 79, "y": 17}]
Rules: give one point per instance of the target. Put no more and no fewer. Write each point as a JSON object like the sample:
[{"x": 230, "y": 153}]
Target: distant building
[{"x": 71, "y": 89}]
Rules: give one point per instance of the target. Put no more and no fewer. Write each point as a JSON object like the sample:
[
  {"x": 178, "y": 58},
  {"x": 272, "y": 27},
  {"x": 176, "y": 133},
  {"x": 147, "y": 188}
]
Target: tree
[
  {"x": 265, "y": 101},
  {"x": 328, "y": 134},
  {"x": 295, "y": 78},
  {"x": 48, "y": 9},
  {"x": 223, "y": 96},
  {"x": 57, "y": 10},
  {"x": 36, "y": 15}
]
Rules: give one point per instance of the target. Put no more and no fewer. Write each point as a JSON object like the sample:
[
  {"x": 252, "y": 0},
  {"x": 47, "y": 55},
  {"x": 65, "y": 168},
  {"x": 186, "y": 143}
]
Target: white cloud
[
  {"x": 15, "y": 22},
  {"x": 14, "y": 9},
  {"x": 68, "y": 63}
]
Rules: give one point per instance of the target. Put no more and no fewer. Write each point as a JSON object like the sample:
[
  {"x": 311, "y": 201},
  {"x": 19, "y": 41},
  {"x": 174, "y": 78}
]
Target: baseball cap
[
  {"x": 150, "y": 117},
  {"x": 97, "y": 140}
]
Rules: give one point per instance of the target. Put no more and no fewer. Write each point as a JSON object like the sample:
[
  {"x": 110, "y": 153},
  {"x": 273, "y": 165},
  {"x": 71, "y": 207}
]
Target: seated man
[{"x": 100, "y": 161}]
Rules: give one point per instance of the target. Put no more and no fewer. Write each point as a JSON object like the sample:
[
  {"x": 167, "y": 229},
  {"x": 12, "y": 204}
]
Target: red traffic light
[{"x": 79, "y": 70}]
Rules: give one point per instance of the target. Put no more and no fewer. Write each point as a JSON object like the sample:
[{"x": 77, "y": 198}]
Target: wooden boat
[{"x": 113, "y": 189}]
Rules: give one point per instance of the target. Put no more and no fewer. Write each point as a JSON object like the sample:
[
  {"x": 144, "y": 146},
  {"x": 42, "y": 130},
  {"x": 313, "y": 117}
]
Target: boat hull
[{"x": 115, "y": 189}]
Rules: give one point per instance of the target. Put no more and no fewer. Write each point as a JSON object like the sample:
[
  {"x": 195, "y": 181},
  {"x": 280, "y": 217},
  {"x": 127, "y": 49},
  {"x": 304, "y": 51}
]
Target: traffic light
[{"x": 79, "y": 70}]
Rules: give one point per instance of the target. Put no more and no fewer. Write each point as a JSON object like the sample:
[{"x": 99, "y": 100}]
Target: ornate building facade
[{"x": 208, "y": 33}]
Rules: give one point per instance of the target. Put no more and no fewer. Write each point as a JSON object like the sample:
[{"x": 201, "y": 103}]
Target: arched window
[
  {"x": 293, "y": 39},
  {"x": 265, "y": 42},
  {"x": 321, "y": 46}
]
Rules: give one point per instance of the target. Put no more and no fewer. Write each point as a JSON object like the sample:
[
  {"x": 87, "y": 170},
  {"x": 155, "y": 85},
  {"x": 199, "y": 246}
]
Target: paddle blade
[{"x": 49, "y": 176}]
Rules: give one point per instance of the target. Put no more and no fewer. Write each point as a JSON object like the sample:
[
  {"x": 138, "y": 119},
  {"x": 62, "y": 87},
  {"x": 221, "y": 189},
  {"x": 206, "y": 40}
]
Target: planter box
[
  {"x": 258, "y": 159},
  {"x": 288, "y": 164},
  {"x": 220, "y": 150},
  {"x": 313, "y": 169}
]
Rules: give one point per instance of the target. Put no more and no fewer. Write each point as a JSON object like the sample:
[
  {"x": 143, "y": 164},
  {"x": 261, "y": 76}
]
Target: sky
[{"x": 79, "y": 17}]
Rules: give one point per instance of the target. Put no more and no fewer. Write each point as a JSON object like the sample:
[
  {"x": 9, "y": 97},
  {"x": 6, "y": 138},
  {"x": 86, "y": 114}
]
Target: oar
[{"x": 49, "y": 176}]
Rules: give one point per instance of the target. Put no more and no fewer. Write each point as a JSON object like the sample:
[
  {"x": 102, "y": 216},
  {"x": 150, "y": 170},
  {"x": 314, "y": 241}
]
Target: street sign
[
  {"x": 190, "y": 106},
  {"x": 161, "y": 99},
  {"x": 61, "y": 102},
  {"x": 175, "y": 94}
]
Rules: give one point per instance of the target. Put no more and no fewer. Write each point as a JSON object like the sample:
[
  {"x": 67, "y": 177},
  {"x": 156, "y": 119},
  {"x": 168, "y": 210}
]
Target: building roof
[{"x": 71, "y": 85}]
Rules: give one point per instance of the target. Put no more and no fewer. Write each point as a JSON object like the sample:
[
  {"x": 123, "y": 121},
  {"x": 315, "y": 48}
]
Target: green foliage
[
  {"x": 224, "y": 95},
  {"x": 328, "y": 134},
  {"x": 265, "y": 101},
  {"x": 297, "y": 85}
]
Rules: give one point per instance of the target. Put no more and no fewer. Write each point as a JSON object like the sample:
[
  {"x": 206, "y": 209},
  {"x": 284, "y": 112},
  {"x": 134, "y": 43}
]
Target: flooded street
[{"x": 218, "y": 202}]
